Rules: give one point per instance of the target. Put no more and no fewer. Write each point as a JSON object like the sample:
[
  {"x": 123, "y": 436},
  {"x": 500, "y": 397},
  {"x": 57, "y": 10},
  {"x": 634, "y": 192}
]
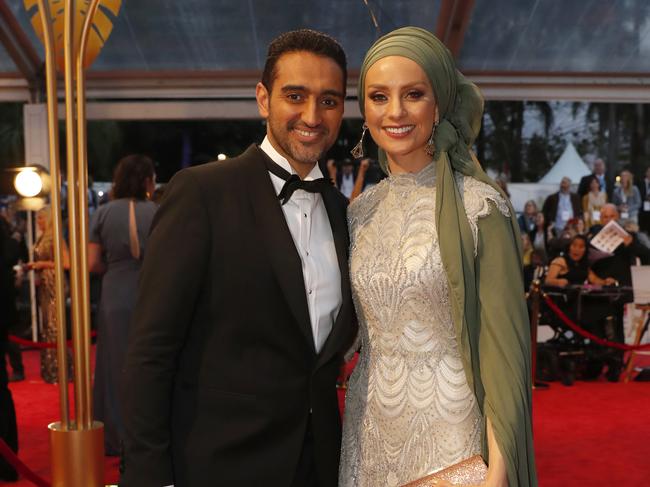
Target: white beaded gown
[{"x": 409, "y": 410}]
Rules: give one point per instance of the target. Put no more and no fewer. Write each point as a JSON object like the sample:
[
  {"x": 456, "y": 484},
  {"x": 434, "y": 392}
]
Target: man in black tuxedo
[
  {"x": 606, "y": 184},
  {"x": 245, "y": 310}
]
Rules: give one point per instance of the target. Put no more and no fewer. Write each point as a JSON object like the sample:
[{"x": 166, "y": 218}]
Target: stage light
[
  {"x": 28, "y": 182},
  {"x": 222, "y": 157}
]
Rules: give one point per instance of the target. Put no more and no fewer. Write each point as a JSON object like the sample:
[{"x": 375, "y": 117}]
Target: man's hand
[{"x": 627, "y": 240}]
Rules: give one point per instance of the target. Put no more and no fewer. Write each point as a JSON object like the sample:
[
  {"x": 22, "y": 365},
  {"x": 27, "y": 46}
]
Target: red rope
[
  {"x": 581, "y": 331},
  {"x": 41, "y": 345},
  {"x": 8, "y": 454}
]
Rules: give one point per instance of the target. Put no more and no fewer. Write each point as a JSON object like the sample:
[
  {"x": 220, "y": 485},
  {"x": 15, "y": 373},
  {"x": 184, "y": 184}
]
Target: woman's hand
[
  {"x": 444, "y": 483},
  {"x": 39, "y": 265}
]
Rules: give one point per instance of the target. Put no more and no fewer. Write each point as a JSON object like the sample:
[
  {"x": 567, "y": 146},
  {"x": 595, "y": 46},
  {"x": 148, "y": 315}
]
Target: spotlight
[
  {"x": 222, "y": 157},
  {"x": 31, "y": 183},
  {"x": 28, "y": 182}
]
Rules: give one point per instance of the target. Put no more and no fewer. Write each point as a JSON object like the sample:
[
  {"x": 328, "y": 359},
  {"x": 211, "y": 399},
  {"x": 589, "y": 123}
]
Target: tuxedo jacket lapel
[{"x": 282, "y": 253}]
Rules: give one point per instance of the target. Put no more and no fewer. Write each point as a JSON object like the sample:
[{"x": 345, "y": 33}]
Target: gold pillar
[
  {"x": 77, "y": 456},
  {"x": 55, "y": 203},
  {"x": 77, "y": 446}
]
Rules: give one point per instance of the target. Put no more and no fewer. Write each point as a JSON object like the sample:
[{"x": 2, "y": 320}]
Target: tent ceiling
[
  {"x": 579, "y": 36},
  {"x": 7, "y": 66},
  {"x": 225, "y": 35},
  {"x": 216, "y": 48}
]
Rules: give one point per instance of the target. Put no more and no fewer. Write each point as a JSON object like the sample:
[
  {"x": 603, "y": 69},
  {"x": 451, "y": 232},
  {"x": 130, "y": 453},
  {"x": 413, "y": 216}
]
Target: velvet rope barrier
[
  {"x": 581, "y": 331},
  {"x": 40, "y": 345},
  {"x": 8, "y": 454}
]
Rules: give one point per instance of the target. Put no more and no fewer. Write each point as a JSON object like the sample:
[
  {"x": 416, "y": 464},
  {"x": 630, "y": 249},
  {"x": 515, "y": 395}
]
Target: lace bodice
[{"x": 409, "y": 409}]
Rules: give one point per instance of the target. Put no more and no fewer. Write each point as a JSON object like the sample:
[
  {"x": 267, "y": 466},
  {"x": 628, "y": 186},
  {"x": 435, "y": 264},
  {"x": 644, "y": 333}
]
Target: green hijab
[{"x": 488, "y": 307}]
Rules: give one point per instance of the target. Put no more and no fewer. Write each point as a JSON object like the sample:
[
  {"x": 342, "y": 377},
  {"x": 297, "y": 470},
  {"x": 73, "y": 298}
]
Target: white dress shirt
[{"x": 310, "y": 228}]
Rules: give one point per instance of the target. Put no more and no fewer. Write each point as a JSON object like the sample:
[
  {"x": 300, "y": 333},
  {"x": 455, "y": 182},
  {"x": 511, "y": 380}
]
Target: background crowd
[{"x": 556, "y": 237}]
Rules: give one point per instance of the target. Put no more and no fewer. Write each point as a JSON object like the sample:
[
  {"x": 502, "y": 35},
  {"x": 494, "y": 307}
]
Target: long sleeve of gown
[{"x": 504, "y": 347}]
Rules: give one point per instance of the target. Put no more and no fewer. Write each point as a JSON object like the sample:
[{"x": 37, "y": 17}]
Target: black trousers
[
  {"x": 306, "y": 471},
  {"x": 15, "y": 358},
  {"x": 8, "y": 429}
]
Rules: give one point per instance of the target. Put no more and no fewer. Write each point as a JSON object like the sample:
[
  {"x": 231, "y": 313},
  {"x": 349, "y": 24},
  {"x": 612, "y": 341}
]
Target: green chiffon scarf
[{"x": 487, "y": 294}]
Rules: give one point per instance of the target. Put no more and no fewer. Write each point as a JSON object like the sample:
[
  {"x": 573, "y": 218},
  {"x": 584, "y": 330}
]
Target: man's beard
[{"x": 294, "y": 149}]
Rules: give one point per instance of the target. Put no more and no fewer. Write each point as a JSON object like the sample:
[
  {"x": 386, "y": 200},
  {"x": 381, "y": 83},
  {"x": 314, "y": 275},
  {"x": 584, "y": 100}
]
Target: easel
[{"x": 641, "y": 327}]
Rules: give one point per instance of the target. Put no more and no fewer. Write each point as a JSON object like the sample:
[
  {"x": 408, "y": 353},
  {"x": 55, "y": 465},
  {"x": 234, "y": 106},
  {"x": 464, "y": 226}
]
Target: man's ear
[{"x": 263, "y": 97}]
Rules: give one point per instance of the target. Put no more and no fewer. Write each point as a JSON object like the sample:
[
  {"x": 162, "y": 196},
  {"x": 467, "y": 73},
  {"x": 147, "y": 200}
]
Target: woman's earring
[
  {"x": 357, "y": 150},
  {"x": 430, "y": 147}
]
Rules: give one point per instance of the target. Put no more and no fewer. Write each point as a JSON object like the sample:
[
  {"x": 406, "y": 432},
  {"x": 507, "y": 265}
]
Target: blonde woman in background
[
  {"x": 626, "y": 197},
  {"x": 592, "y": 202},
  {"x": 44, "y": 266}
]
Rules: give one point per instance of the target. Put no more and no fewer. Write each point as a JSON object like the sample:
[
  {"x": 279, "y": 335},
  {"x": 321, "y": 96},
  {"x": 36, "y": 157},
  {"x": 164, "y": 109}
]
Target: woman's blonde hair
[{"x": 629, "y": 190}]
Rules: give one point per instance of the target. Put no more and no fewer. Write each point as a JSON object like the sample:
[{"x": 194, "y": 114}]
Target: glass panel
[
  {"x": 6, "y": 63},
  {"x": 234, "y": 34},
  {"x": 558, "y": 36}
]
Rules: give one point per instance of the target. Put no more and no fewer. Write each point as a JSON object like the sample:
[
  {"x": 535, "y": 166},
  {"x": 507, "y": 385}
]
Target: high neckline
[{"x": 424, "y": 177}]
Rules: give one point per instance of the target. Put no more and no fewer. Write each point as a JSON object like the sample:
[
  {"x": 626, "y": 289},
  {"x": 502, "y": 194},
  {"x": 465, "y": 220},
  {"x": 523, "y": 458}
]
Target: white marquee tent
[{"x": 570, "y": 165}]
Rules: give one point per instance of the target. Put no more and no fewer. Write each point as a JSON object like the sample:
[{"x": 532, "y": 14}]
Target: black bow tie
[{"x": 293, "y": 181}]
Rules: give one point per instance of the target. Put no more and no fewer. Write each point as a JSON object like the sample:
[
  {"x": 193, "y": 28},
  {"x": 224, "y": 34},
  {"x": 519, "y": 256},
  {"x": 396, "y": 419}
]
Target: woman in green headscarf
[{"x": 435, "y": 264}]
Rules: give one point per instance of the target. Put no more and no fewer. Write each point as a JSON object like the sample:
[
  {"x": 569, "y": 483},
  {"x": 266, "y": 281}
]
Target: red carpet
[
  {"x": 37, "y": 405},
  {"x": 591, "y": 434}
]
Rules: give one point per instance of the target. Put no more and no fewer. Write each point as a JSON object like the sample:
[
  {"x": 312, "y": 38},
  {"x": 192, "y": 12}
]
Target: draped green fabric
[{"x": 488, "y": 306}]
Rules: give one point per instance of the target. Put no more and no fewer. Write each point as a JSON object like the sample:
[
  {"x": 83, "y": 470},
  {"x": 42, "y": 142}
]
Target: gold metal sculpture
[
  {"x": 73, "y": 33},
  {"x": 102, "y": 25}
]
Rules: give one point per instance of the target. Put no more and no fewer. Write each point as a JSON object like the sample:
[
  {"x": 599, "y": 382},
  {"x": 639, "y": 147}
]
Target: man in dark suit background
[
  {"x": 606, "y": 184},
  {"x": 617, "y": 266},
  {"x": 644, "y": 211},
  {"x": 8, "y": 429},
  {"x": 245, "y": 310},
  {"x": 561, "y": 207}
]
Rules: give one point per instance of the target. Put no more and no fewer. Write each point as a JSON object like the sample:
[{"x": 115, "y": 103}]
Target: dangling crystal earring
[
  {"x": 430, "y": 148},
  {"x": 357, "y": 151}
]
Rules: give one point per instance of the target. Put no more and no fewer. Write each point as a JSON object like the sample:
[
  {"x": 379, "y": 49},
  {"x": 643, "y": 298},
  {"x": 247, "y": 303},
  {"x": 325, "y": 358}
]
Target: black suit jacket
[
  {"x": 644, "y": 216},
  {"x": 221, "y": 371},
  {"x": 618, "y": 264},
  {"x": 550, "y": 208}
]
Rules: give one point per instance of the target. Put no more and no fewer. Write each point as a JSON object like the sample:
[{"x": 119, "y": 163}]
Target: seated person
[
  {"x": 598, "y": 311},
  {"x": 572, "y": 267},
  {"x": 617, "y": 266},
  {"x": 560, "y": 241}
]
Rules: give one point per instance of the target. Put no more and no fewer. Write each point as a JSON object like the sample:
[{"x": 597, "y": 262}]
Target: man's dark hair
[
  {"x": 302, "y": 40},
  {"x": 130, "y": 177}
]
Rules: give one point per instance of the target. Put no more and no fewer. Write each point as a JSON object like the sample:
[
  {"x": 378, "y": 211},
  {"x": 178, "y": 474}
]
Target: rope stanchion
[
  {"x": 8, "y": 454},
  {"x": 40, "y": 345},
  {"x": 581, "y": 331}
]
